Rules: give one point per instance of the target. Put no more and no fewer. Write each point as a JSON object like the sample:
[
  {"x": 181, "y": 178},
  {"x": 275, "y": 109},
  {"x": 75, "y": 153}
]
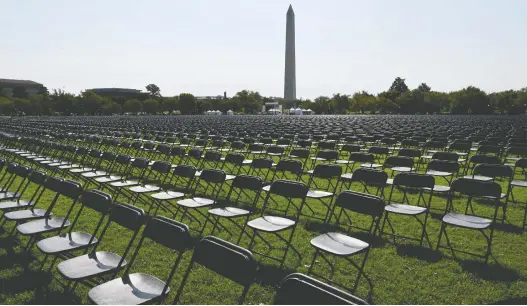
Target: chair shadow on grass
[
  {"x": 512, "y": 301},
  {"x": 419, "y": 252},
  {"x": 271, "y": 275},
  {"x": 491, "y": 272}
]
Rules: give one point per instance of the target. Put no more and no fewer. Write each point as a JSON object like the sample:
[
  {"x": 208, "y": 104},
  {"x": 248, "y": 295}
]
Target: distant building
[
  {"x": 116, "y": 92},
  {"x": 8, "y": 87},
  {"x": 209, "y": 97}
]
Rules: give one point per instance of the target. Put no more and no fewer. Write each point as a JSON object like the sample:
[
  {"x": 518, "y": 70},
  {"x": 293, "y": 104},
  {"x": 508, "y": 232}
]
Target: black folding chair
[
  {"x": 368, "y": 178},
  {"x": 300, "y": 289},
  {"x": 471, "y": 189},
  {"x": 295, "y": 193},
  {"x": 224, "y": 258},
  {"x": 141, "y": 288},
  {"x": 323, "y": 184},
  {"x": 343, "y": 245}
]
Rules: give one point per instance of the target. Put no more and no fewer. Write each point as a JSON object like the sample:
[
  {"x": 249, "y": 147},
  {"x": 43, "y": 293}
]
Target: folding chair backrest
[
  {"x": 370, "y": 176},
  {"x": 54, "y": 184},
  {"x": 254, "y": 183},
  {"x": 161, "y": 167},
  {"x": 379, "y": 150},
  {"x": 409, "y": 152},
  {"x": 476, "y": 188},
  {"x": 234, "y": 158},
  {"x": 169, "y": 233},
  {"x": 275, "y": 149},
  {"x": 493, "y": 170},
  {"x": 70, "y": 189},
  {"x": 300, "y": 289},
  {"x": 300, "y": 153},
  {"x": 484, "y": 159},
  {"x": 127, "y": 216},
  {"x": 212, "y": 156},
  {"x": 140, "y": 163},
  {"x": 262, "y": 163},
  {"x": 293, "y": 166},
  {"x": 327, "y": 171},
  {"x": 123, "y": 159},
  {"x": 37, "y": 177},
  {"x": 22, "y": 171},
  {"x": 414, "y": 180},
  {"x": 109, "y": 156},
  {"x": 97, "y": 200},
  {"x": 399, "y": 161},
  {"x": 362, "y": 157},
  {"x": 226, "y": 259},
  {"x": 328, "y": 154},
  {"x": 521, "y": 163},
  {"x": 177, "y": 151},
  {"x": 443, "y": 165},
  {"x": 361, "y": 203},
  {"x": 289, "y": 189},
  {"x": 450, "y": 156},
  {"x": 213, "y": 176}
]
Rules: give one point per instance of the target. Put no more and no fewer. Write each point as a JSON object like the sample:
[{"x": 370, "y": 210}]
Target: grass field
[{"x": 397, "y": 273}]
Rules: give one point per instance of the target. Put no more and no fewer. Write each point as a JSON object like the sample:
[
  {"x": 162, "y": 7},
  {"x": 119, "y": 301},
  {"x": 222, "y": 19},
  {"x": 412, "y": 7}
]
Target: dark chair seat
[
  {"x": 168, "y": 195},
  {"x": 271, "y": 224},
  {"x": 404, "y": 209},
  {"x": 42, "y": 226},
  {"x": 196, "y": 202},
  {"x": 229, "y": 212},
  {"x": 66, "y": 242},
  {"x": 89, "y": 265},
  {"x": 339, "y": 244},
  {"x": 139, "y": 288},
  {"x": 466, "y": 221},
  {"x": 9, "y": 195},
  {"x": 25, "y": 214}
]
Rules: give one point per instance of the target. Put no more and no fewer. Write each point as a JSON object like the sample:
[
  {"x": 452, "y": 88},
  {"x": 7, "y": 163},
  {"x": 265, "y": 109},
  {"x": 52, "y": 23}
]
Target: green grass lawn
[{"x": 400, "y": 273}]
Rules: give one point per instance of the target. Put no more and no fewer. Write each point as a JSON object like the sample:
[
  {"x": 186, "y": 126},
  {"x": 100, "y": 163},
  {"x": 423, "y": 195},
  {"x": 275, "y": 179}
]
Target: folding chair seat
[
  {"x": 399, "y": 164},
  {"x": 9, "y": 181},
  {"x": 461, "y": 148},
  {"x": 300, "y": 289},
  {"x": 224, "y": 258},
  {"x": 368, "y": 178},
  {"x": 109, "y": 159},
  {"x": 275, "y": 151},
  {"x": 157, "y": 179},
  {"x": 73, "y": 240},
  {"x": 434, "y": 146},
  {"x": 348, "y": 149},
  {"x": 445, "y": 169},
  {"x": 100, "y": 263},
  {"x": 90, "y": 163},
  {"x": 141, "y": 288},
  {"x": 47, "y": 223},
  {"x": 343, "y": 245},
  {"x": 139, "y": 166},
  {"x": 405, "y": 183},
  {"x": 295, "y": 193},
  {"x": 205, "y": 194},
  {"x": 37, "y": 178},
  {"x": 323, "y": 183},
  {"x": 77, "y": 161},
  {"x": 512, "y": 154},
  {"x": 470, "y": 189},
  {"x": 240, "y": 203},
  {"x": 115, "y": 172}
]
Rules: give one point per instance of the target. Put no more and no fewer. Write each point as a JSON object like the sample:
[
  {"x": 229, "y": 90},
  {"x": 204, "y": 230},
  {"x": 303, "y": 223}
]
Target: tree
[
  {"x": 187, "y": 103},
  {"x": 470, "y": 100},
  {"x": 411, "y": 102},
  {"x": 23, "y": 106},
  {"x": 19, "y": 92},
  {"x": 364, "y": 102},
  {"x": 110, "y": 107},
  {"x": 251, "y": 101},
  {"x": 436, "y": 102},
  {"x": 321, "y": 105},
  {"x": 132, "y": 106},
  {"x": 89, "y": 103},
  {"x": 399, "y": 86},
  {"x": 341, "y": 103},
  {"x": 61, "y": 102},
  {"x": 170, "y": 104},
  {"x": 7, "y": 107},
  {"x": 150, "y": 106},
  {"x": 153, "y": 90},
  {"x": 424, "y": 88},
  {"x": 203, "y": 106},
  {"x": 43, "y": 90}
]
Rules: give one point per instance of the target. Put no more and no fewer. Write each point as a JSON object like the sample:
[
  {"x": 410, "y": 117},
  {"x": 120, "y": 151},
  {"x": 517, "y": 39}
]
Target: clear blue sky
[{"x": 207, "y": 46}]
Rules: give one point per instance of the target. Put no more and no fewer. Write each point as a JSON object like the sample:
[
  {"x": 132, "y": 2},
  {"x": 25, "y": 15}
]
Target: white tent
[
  {"x": 230, "y": 112},
  {"x": 307, "y": 111},
  {"x": 298, "y": 111},
  {"x": 292, "y": 111}
]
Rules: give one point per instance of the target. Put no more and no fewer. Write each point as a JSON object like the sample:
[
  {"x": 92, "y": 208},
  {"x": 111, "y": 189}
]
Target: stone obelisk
[{"x": 290, "y": 67}]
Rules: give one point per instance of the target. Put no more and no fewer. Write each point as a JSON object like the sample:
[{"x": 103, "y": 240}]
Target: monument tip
[{"x": 290, "y": 8}]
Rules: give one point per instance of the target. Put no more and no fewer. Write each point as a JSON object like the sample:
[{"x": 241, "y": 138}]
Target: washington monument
[{"x": 290, "y": 67}]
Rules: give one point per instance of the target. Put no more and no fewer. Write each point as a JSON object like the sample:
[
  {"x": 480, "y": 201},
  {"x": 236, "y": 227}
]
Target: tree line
[{"x": 397, "y": 99}]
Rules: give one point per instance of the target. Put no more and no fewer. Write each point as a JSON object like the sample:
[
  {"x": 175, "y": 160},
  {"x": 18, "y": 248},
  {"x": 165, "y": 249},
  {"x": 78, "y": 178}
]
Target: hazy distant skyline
[{"x": 206, "y": 47}]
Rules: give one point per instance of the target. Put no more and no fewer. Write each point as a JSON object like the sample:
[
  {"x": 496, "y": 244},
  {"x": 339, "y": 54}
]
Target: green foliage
[
  {"x": 110, "y": 107},
  {"x": 251, "y": 101},
  {"x": 19, "y": 92},
  {"x": 150, "y": 106},
  {"x": 132, "y": 106},
  {"x": 153, "y": 90},
  {"x": 170, "y": 104},
  {"x": 424, "y": 88},
  {"x": 321, "y": 105},
  {"x": 23, "y": 106},
  {"x": 470, "y": 100},
  {"x": 399, "y": 86},
  {"x": 7, "y": 107},
  {"x": 89, "y": 103},
  {"x": 187, "y": 104},
  {"x": 341, "y": 103}
]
